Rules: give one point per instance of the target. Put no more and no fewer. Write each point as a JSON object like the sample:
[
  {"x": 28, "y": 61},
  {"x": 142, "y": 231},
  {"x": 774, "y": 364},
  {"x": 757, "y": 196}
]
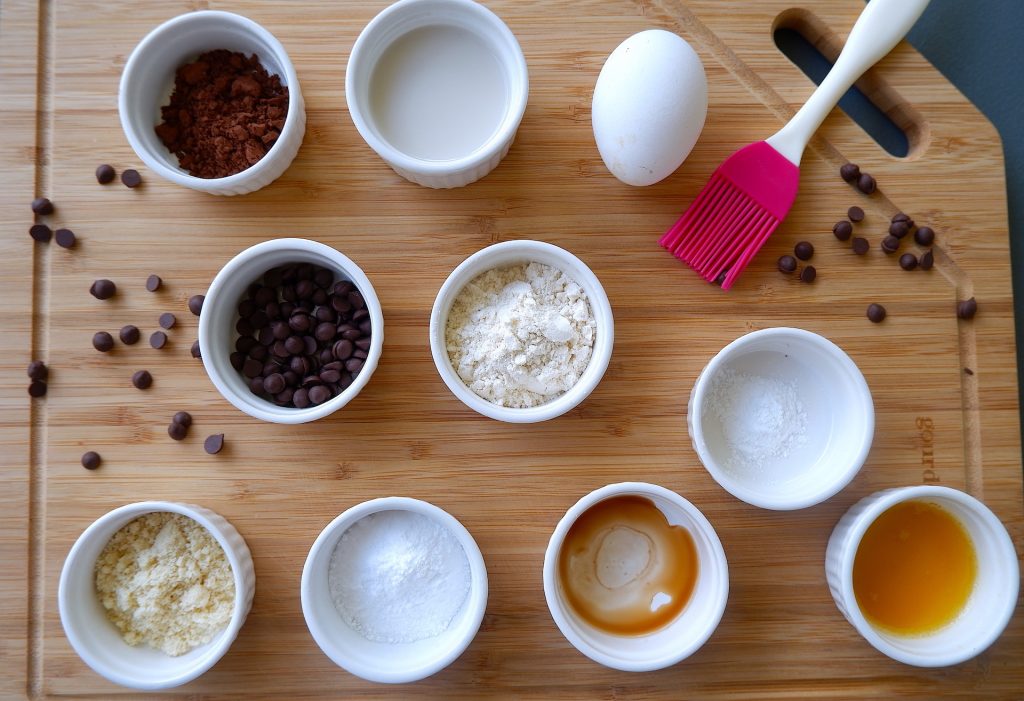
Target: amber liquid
[
  {"x": 624, "y": 569},
  {"x": 914, "y": 569}
]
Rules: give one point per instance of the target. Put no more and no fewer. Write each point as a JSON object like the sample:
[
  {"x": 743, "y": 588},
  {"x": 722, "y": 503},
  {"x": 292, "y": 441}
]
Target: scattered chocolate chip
[
  {"x": 40, "y": 232},
  {"x": 65, "y": 238},
  {"x": 153, "y": 283},
  {"x": 900, "y": 216},
  {"x": 908, "y": 261},
  {"x": 968, "y": 371},
  {"x": 842, "y": 229},
  {"x": 898, "y": 229},
  {"x": 804, "y": 250},
  {"x": 195, "y": 304},
  {"x": 866, "y": 183},
  {"x": 103, "y": 289},
  {"x": 182, "y": 417},
  {"x": 102, "y": 341},
  {"x": 37, "y": 370},
  {"x": 787, "y": 264},
  {"x": 856, "y": 214},
  {"x": 168, "y": 320},
  {"x": 195, "y": 350},
  {"x": 849, "y": 172},
  {"x": 177, "y": 431},
  {"x": 42, "y": 205},
  {"x": 131, "y": 178},
  {"x": 927, "y": 260},
  {"x": 876, "y": 313},
  {"x": 924, "y": 236},
  {"x": 967, "y": 308},
  {"x": 37, "y": 388},
  {"x": 105, "y": 174},
  {"x": 890, "y": 244},
  {"x": 129, "y": 335},
  {"x": 158, "y": 339},
  {"x": 806, "y": 275},
  {"x": 91, "y": 460},
  {"x": 860, "y": 246},
  {"x": 213, "y": 444},
  {"x": 142, "y": 379}
]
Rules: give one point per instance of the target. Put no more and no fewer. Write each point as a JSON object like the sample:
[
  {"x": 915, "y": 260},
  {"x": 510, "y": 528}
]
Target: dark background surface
[{"x": 978, "y": 46}]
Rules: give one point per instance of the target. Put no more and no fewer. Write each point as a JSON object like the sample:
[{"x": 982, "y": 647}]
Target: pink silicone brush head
[{"x": 742, "y": 204}]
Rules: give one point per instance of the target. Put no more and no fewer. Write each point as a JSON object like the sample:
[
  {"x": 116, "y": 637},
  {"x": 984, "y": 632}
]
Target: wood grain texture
[{"x": 781, "y": 637}]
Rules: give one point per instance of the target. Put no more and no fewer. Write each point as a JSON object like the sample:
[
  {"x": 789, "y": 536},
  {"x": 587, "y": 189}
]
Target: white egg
[{"x": 649, "y": 106}]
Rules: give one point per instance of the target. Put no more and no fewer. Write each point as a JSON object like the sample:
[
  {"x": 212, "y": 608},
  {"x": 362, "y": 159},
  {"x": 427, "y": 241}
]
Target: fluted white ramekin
[
  {"x": 148, "y": 79},
  {"x": 98, "y": 642},
  {"x": 989, "y": 607}
]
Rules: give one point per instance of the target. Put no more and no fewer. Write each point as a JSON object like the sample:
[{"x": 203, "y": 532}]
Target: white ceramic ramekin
[
  {"x": 396, "y": 21},
  {"x": 990, "y": 606},
  {"x": 840, "y": 419},
  {"x": 148, "y": 79},
  {"x": 98, "y": 642},
  {"x": 512, "y": 253},
  {"x": 217, "y": 333},
  {"x": 680, "y": 638},
  {"x": 388, "y": 663}
]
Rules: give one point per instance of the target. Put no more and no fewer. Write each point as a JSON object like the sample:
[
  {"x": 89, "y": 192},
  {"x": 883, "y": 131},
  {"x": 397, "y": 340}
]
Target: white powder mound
[
  {"x": 165, "y": 582},
  {"x": 762, "y": 418},
  {"x": 521, "y": 336}
]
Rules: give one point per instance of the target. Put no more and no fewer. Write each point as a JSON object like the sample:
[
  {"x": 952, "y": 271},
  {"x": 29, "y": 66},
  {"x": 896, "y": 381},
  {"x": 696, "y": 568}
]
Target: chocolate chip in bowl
[
  {"x": 290, "y": 331},
  {"x": 223, "y": 97}
]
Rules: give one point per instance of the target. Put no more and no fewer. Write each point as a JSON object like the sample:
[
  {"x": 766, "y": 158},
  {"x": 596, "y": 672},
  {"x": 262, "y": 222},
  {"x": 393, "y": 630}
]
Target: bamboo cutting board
[{"x": 781, "y": 636}]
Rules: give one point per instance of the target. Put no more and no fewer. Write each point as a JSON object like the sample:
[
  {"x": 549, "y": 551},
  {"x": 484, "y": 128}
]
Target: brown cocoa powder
[{"x": 225, "y": 113}]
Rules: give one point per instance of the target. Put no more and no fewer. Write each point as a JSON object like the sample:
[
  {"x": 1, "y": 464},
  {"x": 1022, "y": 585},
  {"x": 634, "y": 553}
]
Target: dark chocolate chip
[
  {"x": 908, "y": 261},
  {"x": 102, "y": 341},
  {"x": 856, "y": 214},
  {"x": 153, "y": 283},
  {"x": 177, "y": 431},
  {"x": 924, "y": 236},
  {"x": 40, "y": 232},
  {"x": 142, "y": 379},
  {"x": 103, "y": 289},
  {"x": 214, "y": 444},
  {"x": 274, "y": 384},
  {"x": 363, "y": 343},
  {"x": 195, "y": 350},
  {"x": 158, "y": 339},
  {"x": 182, "y": 417},
  {"x": 876, "y": 313},
  {"x": 300, "y": 398},
  {"x": 967, "y": 308},
  {"x": 900, "y": 216},
  {"x": 866, "y": 184},
  {"x": 91, "y": 460},
  {"x": 860, "y": 246},
  {"x": 37, "y": 388},
  {"x": 195, "y": 304},
  {"x": 168, "y": 320},
  {"x": 131, "y": 178},
  {"x": 37, "y": 370},
  {"x": 105, "y": 174},
  {"x": 129, "y": 335},
  {"x": 808, "y": 274},
  {"x": 890, "y": 244},
  {"x": 354, "y": 365},
  {"x": 42, "y": 205},
  {"x": 251, "y": 367},
  {"x": 319, "y": 394},
  {"x": 927, "y": 260},
  {"x": 65, "y": 238},
  {"x": 842, "y": 230},
  {"x": 342, "y": 349},
  {"x": 968, "y": 371},
  {"x": 330, "y": 376},
  {"x": 236, "y": 359},
  {"x": 804, "y": 250},
  {"x": 849, "y": 172},
  {"x": 898, "y": 229}
]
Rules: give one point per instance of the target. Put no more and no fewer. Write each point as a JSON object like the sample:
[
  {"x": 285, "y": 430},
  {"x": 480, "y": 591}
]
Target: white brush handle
[{"x": 878, "y": 29}]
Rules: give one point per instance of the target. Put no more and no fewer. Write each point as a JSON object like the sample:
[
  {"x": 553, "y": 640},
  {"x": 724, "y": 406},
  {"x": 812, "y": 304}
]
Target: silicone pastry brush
[{"x": 752, "y": 191}]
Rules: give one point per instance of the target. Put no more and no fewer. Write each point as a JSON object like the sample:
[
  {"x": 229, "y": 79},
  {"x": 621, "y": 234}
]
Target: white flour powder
[
  {"x": 398, "y": 577},
  {"x": 522, "y": 335},
  {"x": 762, "y": 418}
]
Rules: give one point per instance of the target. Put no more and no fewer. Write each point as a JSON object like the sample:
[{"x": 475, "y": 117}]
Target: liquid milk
[{"x": 438, "y": 93}]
